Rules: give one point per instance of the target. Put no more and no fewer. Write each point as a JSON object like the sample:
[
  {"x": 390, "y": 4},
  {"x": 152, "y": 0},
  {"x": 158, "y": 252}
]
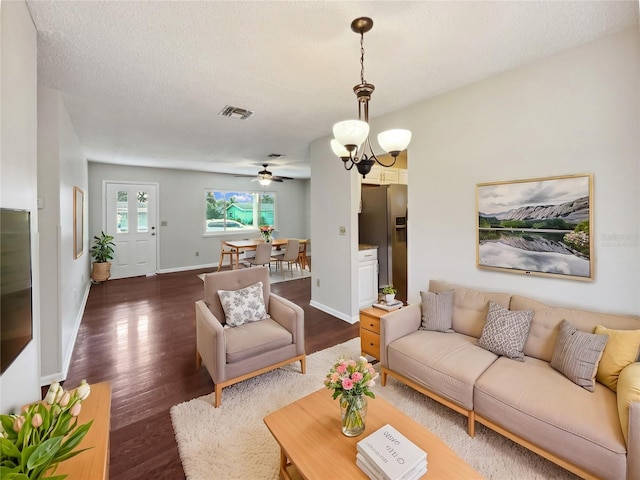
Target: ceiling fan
[{"x": 265, "y": 177}]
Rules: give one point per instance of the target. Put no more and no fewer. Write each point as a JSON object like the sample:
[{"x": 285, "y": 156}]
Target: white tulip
[
  {"x": 83, "y": 390},
  {"x": 51, "y": 394}
]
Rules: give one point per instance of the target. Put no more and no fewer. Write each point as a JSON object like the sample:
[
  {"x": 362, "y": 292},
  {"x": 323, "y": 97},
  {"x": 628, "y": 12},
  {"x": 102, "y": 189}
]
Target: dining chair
[
  {"x": 290, "y": 256},
  {"x": 263, "y": 255},
  {"x": 303, "y": 260},
  {"x": 225, "y": 250}
]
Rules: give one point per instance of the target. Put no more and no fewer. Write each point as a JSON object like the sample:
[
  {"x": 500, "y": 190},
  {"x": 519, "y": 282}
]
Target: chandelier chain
[{"x": 362, "y": 58}]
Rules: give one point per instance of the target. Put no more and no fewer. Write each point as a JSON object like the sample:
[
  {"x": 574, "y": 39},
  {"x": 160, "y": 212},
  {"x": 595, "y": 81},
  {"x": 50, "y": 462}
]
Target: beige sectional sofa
[{"x": 593, "y": 434}]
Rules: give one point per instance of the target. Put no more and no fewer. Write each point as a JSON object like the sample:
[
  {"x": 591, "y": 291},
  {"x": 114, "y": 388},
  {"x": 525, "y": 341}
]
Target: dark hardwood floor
[{"x": 139, "y": 334}]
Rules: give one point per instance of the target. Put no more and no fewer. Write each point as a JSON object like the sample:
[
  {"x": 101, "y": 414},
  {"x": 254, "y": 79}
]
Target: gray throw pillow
[
  {"x": 506, "y": 331},
  {"x": 577, "y": 354},
  {"x": 244, "y": 305},
  {"x": 437, "y": 309}
]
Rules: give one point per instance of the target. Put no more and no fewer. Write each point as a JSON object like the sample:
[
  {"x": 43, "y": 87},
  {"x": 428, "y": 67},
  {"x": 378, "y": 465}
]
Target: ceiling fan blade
[{"x": 276, "y": 179}]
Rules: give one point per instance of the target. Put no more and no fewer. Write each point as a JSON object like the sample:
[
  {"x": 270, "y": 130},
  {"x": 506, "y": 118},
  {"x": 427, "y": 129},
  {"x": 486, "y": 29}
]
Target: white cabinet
[
  {"x": 367, "y": 277},
  {"x": 385, "y": 175}
]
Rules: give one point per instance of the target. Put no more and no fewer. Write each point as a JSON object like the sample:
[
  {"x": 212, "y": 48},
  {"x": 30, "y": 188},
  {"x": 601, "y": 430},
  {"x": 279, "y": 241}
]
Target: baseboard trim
[
  {"x": 335, "y": 313},
  {"x": 185, "y": 269}
]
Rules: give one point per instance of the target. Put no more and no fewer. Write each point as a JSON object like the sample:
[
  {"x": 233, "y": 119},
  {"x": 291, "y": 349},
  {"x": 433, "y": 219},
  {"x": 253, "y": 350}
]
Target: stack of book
[
  {"x": 386, "y": 454},
  {"x": 388, "y": 306}
]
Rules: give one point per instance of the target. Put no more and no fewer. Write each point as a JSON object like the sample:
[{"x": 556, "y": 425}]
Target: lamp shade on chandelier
[{"x": 351, "y": 142}]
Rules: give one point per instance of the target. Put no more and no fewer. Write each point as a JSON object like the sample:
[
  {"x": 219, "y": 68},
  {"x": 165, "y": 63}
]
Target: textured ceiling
[{"x": 143, "y": 81}]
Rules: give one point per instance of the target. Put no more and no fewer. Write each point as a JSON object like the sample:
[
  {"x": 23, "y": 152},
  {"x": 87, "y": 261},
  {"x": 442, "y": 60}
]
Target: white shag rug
[
  {"x": 276, "y": 277},
  {"x": 232, "y": 441}
]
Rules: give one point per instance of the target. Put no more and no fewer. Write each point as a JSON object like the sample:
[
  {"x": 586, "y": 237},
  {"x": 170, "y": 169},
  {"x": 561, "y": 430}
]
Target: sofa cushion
[
  {"x": 577, "y": 354},
  {"x": 470, "y": 306},
  {"x": 541, "y": 406},
  {"x": 505, "y": 331},
  {"x": 621, "y": 350},
  {"x": 628, "y": 393},
  {"x": 447, "y": 364},
  {"x": 254, "y": 338},
  {"x": 544, "y": 326},
  {"x": 437, "y": 309},
  {"x": 243, "y": 305}
]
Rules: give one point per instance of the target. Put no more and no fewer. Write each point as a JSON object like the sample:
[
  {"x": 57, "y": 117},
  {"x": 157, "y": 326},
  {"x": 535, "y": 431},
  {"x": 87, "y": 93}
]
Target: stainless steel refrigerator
[{"x": 383, "y": 222}]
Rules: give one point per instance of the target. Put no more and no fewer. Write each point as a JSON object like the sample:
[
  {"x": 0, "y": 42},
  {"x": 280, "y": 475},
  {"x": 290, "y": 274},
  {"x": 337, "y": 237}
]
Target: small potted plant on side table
[
  {"x": 389, "y": 294},
  {"x": 102, "y": 251}
]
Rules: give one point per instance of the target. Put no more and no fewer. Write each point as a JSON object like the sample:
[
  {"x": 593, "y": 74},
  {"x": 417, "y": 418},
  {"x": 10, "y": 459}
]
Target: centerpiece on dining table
[
  {"x": 352, "y": 380},
  {"x": 267, "y": 232}
]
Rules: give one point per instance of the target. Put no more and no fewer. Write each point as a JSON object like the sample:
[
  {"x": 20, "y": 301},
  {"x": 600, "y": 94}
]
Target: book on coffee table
[
  {"x": 370, "y": 471},
  {"x": 389, "y": 455}
]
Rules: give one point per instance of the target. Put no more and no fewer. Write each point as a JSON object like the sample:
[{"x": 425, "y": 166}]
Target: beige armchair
[{"x": 234, "y": 354}]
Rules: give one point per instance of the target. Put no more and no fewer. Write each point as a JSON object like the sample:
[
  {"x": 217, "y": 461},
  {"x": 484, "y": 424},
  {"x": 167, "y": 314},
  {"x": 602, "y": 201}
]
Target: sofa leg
[
  {"x": 472, "y": 424},
  {"x": 383, "y": 378},
  {"x": 303, "y": 364},
  {"x": 198, "y": 360},
  {"x": 218, "y": 400}
]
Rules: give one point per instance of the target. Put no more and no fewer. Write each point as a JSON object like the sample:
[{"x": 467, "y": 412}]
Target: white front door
[{"x": 131, "y": 219}]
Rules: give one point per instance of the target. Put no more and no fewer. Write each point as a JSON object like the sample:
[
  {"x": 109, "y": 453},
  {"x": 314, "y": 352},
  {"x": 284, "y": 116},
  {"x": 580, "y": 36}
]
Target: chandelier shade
[
  {"x": 351, "y": 142},
  {"x": 351, "y": 133},
  {"x": 264, "y": 181},
  {"x": 394, "y": 141}
]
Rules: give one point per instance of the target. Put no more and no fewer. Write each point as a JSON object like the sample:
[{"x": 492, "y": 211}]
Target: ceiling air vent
[{"x": 235, "y": 112}]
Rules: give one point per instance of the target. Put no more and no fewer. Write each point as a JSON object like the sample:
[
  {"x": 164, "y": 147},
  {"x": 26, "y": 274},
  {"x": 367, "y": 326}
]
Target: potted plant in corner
[
  {"x": 389, "y": 294},
  {"x": 102, "y": 251}
]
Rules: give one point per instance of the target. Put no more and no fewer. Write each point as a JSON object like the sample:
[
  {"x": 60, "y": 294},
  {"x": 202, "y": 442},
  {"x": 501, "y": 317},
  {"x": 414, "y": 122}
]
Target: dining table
[{"x": 240, "y": 246}]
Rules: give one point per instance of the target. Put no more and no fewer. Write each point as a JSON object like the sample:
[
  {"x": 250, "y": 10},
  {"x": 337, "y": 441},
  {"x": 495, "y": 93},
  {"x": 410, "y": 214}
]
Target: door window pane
[
  {"x": 142, "y": 206},
  {"x": 123, "y": 212}
]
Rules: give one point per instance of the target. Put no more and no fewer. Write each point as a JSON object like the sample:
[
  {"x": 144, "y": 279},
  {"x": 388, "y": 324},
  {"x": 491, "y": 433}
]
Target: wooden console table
[{"x": 93, "y": 463}]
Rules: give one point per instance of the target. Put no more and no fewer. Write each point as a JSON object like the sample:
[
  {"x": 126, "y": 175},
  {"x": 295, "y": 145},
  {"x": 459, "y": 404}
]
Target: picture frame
[
  {"x": 78, "y": 222},
  {"x": 539, "y": 226}
]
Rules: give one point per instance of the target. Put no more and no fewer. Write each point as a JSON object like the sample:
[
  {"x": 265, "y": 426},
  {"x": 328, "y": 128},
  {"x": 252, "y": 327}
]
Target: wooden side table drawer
[
  {"x": 370, "y": 323},
  {"x": 370, "y": 343}
]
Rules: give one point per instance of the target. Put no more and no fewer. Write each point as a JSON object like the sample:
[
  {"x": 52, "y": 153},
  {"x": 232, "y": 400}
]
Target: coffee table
[{"x": 312, "y": 445}]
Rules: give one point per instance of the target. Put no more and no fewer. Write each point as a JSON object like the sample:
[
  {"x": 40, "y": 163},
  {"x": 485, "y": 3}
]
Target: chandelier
[{"x": 351, "y": 142}]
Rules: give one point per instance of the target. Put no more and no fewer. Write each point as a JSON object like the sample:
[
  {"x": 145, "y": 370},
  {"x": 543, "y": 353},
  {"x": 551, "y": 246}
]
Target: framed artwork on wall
[
  {"x": 541, "y": 226},
  {"x": 78, "y": 222}
]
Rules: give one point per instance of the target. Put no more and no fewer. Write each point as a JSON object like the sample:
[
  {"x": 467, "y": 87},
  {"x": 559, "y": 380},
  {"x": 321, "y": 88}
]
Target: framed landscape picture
[{"x": 541, "y": 226}]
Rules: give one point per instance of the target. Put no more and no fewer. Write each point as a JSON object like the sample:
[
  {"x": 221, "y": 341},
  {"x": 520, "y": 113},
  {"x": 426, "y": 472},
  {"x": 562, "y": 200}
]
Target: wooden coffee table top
[{"x": 310, "y": 437}]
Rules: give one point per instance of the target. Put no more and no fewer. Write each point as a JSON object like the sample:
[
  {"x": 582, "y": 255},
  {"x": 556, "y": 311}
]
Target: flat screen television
[{"x": 16, "y": 320}]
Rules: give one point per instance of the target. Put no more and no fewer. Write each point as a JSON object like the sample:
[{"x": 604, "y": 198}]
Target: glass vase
[{"x": 353, "y": 410}]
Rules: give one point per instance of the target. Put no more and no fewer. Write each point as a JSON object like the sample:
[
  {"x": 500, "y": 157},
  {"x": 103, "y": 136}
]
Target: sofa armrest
[
  {"x": 629, "y": 413},
  {"x": 210, "y": 342},
  {"x": 397, "y": 324},
  {"x": 290, "y": 316}
]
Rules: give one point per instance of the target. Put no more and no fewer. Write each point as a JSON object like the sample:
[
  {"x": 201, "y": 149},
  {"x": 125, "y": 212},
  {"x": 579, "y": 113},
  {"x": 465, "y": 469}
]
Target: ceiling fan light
[
  {"x": 339, "y": 149},
  {"x": 351, "y": 133},
  {"x": 264, "y": 181},
  {"x": 394, "y": 141}
]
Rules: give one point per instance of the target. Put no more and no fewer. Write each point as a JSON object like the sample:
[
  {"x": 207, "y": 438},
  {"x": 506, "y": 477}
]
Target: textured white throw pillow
[
  {"x": 506, "y": 331},
  {"x": 244, "y": 305}
]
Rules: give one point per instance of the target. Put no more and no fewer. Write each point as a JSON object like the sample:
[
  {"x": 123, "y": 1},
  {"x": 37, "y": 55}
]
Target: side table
[{"x": 370, "y": 331}]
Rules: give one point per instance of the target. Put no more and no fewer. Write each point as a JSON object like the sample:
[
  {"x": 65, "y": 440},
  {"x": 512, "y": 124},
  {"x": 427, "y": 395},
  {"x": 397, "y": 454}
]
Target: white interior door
[{"x": 131, "y": 219}]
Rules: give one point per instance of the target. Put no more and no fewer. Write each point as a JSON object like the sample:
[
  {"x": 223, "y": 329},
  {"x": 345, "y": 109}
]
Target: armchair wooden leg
[
  {"x": 383, "y": 378},
  {"x": 472, "y": 424},
  {"x": 198, "y": 360},
  {"x": 218, "y": 400},
  {"x": 303, "y": 364}
]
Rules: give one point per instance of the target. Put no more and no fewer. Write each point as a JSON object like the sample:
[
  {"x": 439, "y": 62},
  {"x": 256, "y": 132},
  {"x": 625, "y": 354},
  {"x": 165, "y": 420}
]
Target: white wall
[
  {"x": 181, "y": 205},
  {"x": 334, "y": 203},
  {"x": 575, "y": 112},
  {"x": 61, "y": 166},
  {"x": 18, "y": 178}
]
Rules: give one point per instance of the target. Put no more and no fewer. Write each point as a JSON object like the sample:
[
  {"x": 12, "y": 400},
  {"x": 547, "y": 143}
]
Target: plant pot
[
  {"x": 101, "y": 271},
  {"x": 389, "y": 297}
]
